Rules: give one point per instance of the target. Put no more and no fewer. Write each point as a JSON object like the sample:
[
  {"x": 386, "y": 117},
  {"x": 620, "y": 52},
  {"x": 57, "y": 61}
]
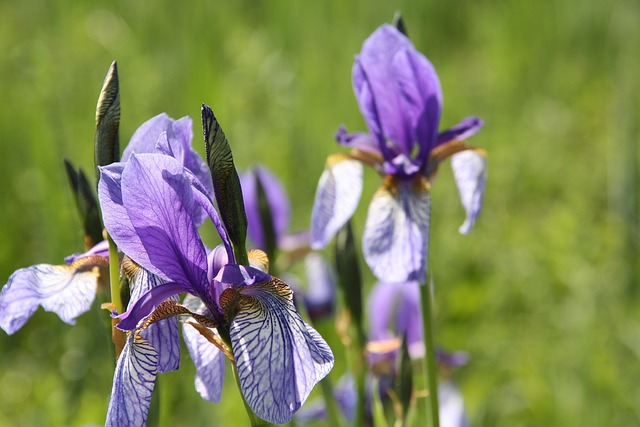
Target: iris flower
[
  {"x": 400, "y": 98},
  {"x": 150, "y": 205}
]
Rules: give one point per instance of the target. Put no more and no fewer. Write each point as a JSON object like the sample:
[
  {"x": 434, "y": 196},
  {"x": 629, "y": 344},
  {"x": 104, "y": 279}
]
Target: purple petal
[
  {"x": 337, "y": 197},
  {"x": 279, "y": 357},
  {"x": 100, "y": 249},
  {"x": 146, "y": 136},
  {"x": 207, "y": 358},
  {"x": 320, "y": 295},
  {"x": 67, "y": 290},
  {"x": 276, "y": 198},
  {"x": 463, "y": 130},
  {"x": 159, "y": 200},
  {"x": 162, "y": 335},
  {"x": 396, "y": 233},
  {"x": 398, "y": 92},
  {"x": 147, "y": 302},
  {"x": 452, "y": 413},
  {"x": 235, "y": 274},
  {"x": 470, "y": 173},
  {"x": 358, "y": 140},
  {"x": 133, "y": 383}
]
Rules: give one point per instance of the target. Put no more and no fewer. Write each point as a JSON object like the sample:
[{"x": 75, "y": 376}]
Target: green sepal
[
  {"x": 86, "y": 203},
  {"x": 226, "y": 183},
  {"x": 107, "y": 141}
]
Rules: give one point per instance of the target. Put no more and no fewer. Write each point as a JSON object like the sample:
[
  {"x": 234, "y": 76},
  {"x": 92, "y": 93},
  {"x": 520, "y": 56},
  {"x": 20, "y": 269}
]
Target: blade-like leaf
[
  {"x": 107, "y": 142},
  {"x": 226, "y": 183},
  {"x": 86, "y": 203}
]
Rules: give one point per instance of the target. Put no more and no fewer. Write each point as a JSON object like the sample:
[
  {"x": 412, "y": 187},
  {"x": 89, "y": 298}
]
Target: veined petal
[
  {"x": 207, "y": 358},
  {"x": 337, "y": 197},
  {"x": 470, "y": 173},
  {"x": 396, "y": 234},
  {"x": 163, "y": 335},
  {"x": 160, "y": 203},
  {"x": 279, "y": 357},
  {"x": 67, "y": 290},
  {"x": 133, "y": 383}
]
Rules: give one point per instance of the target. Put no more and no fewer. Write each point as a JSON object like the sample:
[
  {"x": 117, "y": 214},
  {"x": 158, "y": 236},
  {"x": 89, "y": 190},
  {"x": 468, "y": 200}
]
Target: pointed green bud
[
  {"x": 349, "y": 279},
  {"x": 86, "y": 204},
  {"x": 398, "y": 22},
  {"x": 405, "y": 378},
  {"x": 107, "y": 142},
  {"x": 266, "y": 220},
  {"x": 226, "y": 183}
]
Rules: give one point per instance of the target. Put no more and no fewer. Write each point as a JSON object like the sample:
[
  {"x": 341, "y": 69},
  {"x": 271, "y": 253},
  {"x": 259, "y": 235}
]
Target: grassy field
[{"x": 543, "y": 294}]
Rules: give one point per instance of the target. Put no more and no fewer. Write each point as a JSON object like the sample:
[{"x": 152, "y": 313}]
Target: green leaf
[
  {"x": 86, "y": 204},
  {"x": 107, "y": 141},
  {"x": 226, "y": 183}
]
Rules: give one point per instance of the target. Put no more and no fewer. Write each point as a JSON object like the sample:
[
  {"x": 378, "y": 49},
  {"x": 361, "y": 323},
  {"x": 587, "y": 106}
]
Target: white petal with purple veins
[
  {"x": 337, "y": 197},
  {"x": 133, "y": 383},
  {"x": 396, "y": 234},
  {"x": 470, "y": 173},
  {"x": 279, "y": 357},
  {"x": 209, "y": 363},
  {"x": 67, "y": 290}
]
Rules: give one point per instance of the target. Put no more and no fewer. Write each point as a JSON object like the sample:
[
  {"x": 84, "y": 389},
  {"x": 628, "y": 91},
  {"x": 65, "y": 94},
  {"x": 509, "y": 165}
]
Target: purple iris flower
[
  {"x": 150, "y": 207},
  {"x": 400, "y": 98}
]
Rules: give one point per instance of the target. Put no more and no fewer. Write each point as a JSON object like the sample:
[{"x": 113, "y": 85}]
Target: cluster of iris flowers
[{"x": 142, "y": 241}]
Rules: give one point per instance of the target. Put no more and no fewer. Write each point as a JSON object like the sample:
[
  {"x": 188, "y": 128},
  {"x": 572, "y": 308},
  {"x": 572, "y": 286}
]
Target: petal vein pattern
[
  {"x": 279, "y": 357},
  {"x": 133, "y": 384},
  {"x": 396, "y": 232},
  {"x": 336, "y": 200}
]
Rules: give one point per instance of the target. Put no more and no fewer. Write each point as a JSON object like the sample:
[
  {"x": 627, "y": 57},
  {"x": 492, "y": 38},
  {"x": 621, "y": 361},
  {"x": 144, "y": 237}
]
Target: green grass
[{"x": 543, "y": 294}]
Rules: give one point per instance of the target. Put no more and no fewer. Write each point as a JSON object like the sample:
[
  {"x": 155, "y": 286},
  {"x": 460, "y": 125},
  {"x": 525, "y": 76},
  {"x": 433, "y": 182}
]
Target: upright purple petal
[
  {"x": 277, "y": 200},
  {"x": 159, "y": 201},
  {"x": 396, "y": 233},
  {"x": 67, "y": 290},
  {"x": 133, "y": 382},
  {"x": 279, "y": 357},
  {"x": 162, "y": 335},
  {"x": 337, "y": 197},
  {"x": 144, "y": 139},
  {"x": 399, "y": 94},
  {"x": 470, "y": 173},
  {"x": 207, "y": 358}
]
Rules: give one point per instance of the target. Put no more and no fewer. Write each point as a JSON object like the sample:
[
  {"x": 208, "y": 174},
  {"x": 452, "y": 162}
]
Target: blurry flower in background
[{"x": 400, "y": 98}]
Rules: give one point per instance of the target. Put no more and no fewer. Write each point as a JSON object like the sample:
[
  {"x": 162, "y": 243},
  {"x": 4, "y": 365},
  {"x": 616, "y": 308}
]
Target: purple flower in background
[
  {"x": 150, "y": 206},
  {"x": 400, "y": 98},
  {"x": 67, "y": 290}
]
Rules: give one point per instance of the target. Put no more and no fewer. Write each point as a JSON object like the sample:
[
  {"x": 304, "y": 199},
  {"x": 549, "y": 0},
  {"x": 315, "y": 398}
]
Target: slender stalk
[
  {"x": 114, "y": 276},
  {"x": 253, "y": 418},
  {"x": 430, "y": 354}
]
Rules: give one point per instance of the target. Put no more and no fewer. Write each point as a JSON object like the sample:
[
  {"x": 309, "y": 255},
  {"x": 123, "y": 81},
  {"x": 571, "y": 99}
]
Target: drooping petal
[
  {"x": 463, "y": 130},
  {"x": 133, "y": 383},
  {"x": 396, "y": 234},
  {"x": 159, "y": 200},
  {"x": 470, "y": 173},
  {"x": 163, "y": 335},
  {"x": 337, "y": 197},
  {"x": 279, "y": 357},
  {"x": 398, "y": 92},
  {"x": 67, "y": 290},
  {"x": 207, "y": 358}
]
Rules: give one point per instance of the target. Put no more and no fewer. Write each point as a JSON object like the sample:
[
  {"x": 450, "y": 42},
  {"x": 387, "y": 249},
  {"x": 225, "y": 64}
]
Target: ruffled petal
[
  {"x": 159, "y": 200},
  {"x": 67, "y": 290},
  {"x": 337, "y": 197},
  {"x": 207, "y": 358},
  {"x": 470, "y": 173},
  {"x": 162, "y": 335},
  {"x": 133, "y": 383},
  {"x": 279, "y": 357},
  {"x": 396, "y": 234}
]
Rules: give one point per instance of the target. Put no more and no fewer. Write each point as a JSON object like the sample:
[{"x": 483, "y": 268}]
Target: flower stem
[
  {"x": 430, "y": 354},
  {"x": 114, "y": 276},
  {"x": 253, "y": 418}
]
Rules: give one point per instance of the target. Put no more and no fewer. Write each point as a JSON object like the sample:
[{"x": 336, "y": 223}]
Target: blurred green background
[{"x": 543, "y": 294}]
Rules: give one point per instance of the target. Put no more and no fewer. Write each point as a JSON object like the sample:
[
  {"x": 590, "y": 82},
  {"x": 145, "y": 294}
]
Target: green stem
[
  {"x": 114, "y": 276},
  {"x": 333, "y": 411},
  {"x": 253, "y": 418},
  {"x": 430, "y": 354}
]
